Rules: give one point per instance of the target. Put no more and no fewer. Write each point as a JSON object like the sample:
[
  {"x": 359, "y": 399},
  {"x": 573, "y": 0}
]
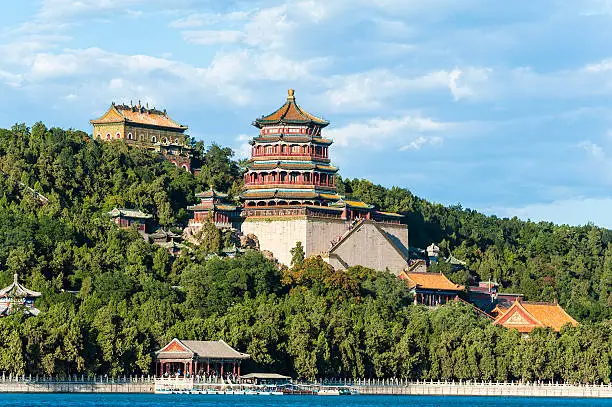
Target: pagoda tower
[
  {"x": 290, "y": 164},
  {"x": 290, "y": 196}
]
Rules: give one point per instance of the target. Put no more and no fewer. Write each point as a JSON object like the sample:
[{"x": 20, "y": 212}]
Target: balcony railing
[
  {"x": 318, "y": 184},
  {"x": 280, "y": 155}
]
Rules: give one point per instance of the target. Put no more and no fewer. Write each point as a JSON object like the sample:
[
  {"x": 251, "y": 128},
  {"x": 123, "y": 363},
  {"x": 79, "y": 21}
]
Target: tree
[
  {"x": 297, "y": 255},
  {"x": 210, "y": 237}
]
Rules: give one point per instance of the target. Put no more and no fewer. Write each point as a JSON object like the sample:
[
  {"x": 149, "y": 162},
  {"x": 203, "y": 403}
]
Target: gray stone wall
[
  {"x": 367, "y": 246},
  {"x": 277, "y": 234},
  {"x": 320, "y": 232}
]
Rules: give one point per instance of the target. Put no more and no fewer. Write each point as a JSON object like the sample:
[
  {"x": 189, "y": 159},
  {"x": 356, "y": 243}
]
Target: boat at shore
[{"x": 335, "y": 391}]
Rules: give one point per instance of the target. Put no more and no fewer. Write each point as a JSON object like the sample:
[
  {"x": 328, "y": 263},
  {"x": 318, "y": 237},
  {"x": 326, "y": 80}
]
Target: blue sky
[{"x": 500, "y": 106}]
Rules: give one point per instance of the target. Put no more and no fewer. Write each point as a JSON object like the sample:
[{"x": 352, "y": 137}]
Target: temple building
[
  {"x": 125, "y": 218},
  {"x": 214, "y": 206},
  {"x": 16, "y": 297},
  {"x": 486, "y": 296},
  {"x": 290, "y": 196},
  {"x": 431, "y": 289},
  {"x": 147, "y": 128},
  {"x": 525, "y": 316},
  {"x": 183, "y": 357}
]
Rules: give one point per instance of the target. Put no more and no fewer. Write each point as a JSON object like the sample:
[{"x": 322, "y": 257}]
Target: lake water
[{"x": 152, "y": 400}]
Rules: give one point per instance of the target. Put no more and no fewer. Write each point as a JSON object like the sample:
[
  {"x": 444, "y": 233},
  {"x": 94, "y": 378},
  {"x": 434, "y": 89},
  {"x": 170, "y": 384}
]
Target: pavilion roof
[
  {"x": 16, "y": 290},
  {"x": 210, "y": 207},
  {"x": 287, "y": 194},
  {"x": 432, "y": 281},
  {"x": 329, "y": 196},
  {"x": 211, "y": 193},
  {"x": 162, "y": 233},
  {"x": 288, "y": 165},
  {"x": 271, "y": 138},
  {"x": 392, "y": 214},
  {"x": 453, "y": 260},
  {"x": 138, "y": 115},
  {"x": 129, "y": 213},
  {"x": 180, "y": 349},
  {"x": 290, "y": 113},
  {"x": 352, "y": 203},
  {"x": 526, "y": 316}
]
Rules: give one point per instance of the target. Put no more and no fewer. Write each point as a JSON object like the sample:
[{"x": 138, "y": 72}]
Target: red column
[
  {"x": 234, "y": 368},
  {"x": 208, "y": 366},
  {"x": 221, "y": 368},
  {"x": 238, "y": 369}
]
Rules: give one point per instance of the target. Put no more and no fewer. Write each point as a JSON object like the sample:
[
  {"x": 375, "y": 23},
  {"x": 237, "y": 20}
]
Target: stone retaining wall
[
  {"x": 489, "y": 389},
  {"x": 33, "y": 386}
]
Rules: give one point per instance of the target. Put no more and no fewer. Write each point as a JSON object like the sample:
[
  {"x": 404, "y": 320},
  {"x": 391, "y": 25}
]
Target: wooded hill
[{"x": 308, "y": 321}]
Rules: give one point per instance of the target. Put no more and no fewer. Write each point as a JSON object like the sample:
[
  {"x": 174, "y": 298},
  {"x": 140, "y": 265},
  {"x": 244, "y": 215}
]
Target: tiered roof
[
  {"x": 285, "y": 194},
  {"x": 138, "y": 115},
  {"x": 17, "y": 293},
  {"x": 526, "y": 316},
  {"x": 292, "y": 165},
  {"x": 211, "y": 193},
  {"x": 17, "y": 290},
  {"x": 290, "y": 113},
  {"x": 129, "y": 213},
  {"x": 429, "y": 281},
  {"x": 271, "y": 138},
  {"x": 352, "y": 203},
  {"x": 212, "y": 200}
]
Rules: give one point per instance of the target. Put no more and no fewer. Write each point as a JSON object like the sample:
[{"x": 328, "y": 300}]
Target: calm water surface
[{"x": 180, "y": 400}]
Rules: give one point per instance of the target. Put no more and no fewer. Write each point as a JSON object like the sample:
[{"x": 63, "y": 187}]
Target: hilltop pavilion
[
  {"x": 146, "y": 128},
  {"x": 16, "y": 296}
]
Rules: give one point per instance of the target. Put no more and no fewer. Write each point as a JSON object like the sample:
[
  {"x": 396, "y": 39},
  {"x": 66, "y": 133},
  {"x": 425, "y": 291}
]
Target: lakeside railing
[
  {"x": 76, "y": 379},
  {"x": 362, "y": 382}
]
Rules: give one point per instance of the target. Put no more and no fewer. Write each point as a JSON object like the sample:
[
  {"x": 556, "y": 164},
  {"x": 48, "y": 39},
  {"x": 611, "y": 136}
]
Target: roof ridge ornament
[{"x": 291, "y": 94}]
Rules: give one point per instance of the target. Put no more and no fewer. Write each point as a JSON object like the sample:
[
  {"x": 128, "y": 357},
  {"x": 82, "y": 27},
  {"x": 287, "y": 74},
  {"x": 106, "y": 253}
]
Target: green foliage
[
  {"x": 542, "y": 260},
  {"x": 297, "y": 255},
  {"x": 310, "y": 321}
]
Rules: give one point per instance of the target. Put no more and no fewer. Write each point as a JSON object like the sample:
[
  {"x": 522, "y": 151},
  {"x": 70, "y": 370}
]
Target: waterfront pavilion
[{"x": 193, "y": 357}]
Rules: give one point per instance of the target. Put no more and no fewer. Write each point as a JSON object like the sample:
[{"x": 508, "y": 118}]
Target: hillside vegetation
[{"x": 309, "y": 320}]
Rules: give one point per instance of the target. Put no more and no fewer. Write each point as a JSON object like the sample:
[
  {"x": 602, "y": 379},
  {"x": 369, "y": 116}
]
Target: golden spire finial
[{"x": 291, "y": 94}]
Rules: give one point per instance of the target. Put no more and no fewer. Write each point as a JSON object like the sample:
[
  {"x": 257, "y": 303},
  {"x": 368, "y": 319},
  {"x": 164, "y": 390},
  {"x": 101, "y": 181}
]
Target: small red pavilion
[{"x": 198, "y": 357}]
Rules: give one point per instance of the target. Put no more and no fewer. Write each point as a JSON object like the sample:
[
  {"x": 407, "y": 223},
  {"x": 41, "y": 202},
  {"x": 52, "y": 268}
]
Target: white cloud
[
  {"x": 466, "y": 83},
  {"x": 10, "y": 79},
  {"x": 194, "y": 20},
  {"x": 229, "y": 76},
  {"x": 242, "y": 148},
  {"x": 65, "y": 9},
  {"x": 572, "y": 211},
  {"x": 213, "y": 37},
  {"x": 379, "y": 132},
  {"x": 596, "y": 7},
  {"x": 422, "y": 141},
  {"x": 372, "y": 89},
  {"x": 593, "y": 149}
]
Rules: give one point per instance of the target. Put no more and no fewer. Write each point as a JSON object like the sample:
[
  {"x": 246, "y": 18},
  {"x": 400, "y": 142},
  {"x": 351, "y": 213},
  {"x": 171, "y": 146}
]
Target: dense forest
[{"x": 110, "y": 298}]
